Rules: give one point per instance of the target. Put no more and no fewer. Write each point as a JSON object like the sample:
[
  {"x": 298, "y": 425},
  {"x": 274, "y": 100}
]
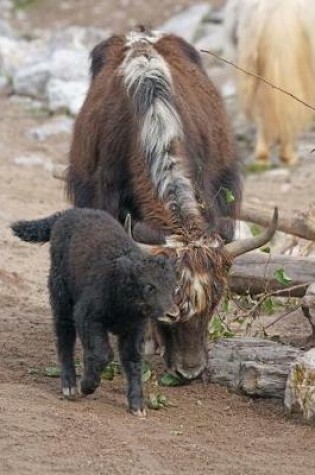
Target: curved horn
[
  {"x": 144, "y": 247},
  {"x": 236, "y": 248}
]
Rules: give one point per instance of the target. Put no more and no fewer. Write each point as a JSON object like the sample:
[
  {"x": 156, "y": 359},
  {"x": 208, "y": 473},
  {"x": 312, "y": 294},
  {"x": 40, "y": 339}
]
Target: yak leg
[
  {"x": 97, "y": 352},
  {"x": 153, "y": 344},
  {"x": 65, "y": 333},
  {"x": 287, "y": 153},
  {"x": 262, "y": 149},
  {"x": 130, "y": 350}
]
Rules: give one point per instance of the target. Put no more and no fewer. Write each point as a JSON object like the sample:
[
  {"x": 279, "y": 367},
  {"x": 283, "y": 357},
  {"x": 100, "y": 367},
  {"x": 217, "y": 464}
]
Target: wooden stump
[{"x": 254, "y": 366}]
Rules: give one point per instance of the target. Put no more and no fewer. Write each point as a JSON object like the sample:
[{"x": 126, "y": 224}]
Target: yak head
[{"x": 202, "y": 268}]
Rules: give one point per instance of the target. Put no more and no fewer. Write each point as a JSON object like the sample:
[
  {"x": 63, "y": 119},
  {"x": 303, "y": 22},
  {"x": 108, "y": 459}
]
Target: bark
[
  {"x": 254, "y": 366},
  {"x": 298, "y": 223},
  {"x": 256, "y": 273}
]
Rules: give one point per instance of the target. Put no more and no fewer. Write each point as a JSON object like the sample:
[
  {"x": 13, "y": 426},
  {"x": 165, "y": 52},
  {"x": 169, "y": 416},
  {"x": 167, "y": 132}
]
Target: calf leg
[
  {"x": 130, "y": 350},
  {"x": 65, "y": 333},
  {"x": 97, "y": 352}
]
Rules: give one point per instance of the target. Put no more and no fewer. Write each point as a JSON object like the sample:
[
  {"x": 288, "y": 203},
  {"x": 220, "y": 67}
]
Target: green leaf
[
  {"x": 146, "y": 371},
  {"x": 268, "y": 306},
  {"x": 266, "y": 249},
  {"x": 226, "y": 304},
  {"x": 153, "y": 403},
  {"x": 282, "y": 277},
  {"x": 52, "y": 371},
  {"x": 108, "y": 373},
  {"x": 33, "y": 371},
  {"x": 158, "y": 401},
  {"x": 111, "y": 370},
  {"x": 169, "y": 379},
  {"x": 255, "y": 230},
  {"x": 229, "y": 197},
  {"x": 217, "y": 329}
]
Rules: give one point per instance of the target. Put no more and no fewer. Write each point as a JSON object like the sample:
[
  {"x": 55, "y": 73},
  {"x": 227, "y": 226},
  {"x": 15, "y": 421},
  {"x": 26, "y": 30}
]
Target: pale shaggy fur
[
  {"x": 146, "y": 73},
  {"x": 276, "y": 40}
]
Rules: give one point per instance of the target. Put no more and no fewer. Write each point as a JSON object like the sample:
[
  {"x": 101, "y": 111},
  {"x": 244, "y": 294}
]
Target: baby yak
[{"x": 100, "y": 281}]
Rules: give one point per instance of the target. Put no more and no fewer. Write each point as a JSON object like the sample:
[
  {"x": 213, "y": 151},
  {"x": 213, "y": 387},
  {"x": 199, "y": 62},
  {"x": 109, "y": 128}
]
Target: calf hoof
[
  {"x": 69, "y": 392},
  {"x": 141, "y": 413},
  {"x": 88, "y": 386},
  {"x": 69, "y": 384}
]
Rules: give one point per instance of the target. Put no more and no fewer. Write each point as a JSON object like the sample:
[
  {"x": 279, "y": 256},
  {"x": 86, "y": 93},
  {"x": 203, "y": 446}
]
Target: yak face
[
  {"x": 149, "y": 284},
  {"x": 201, "y": 273}
]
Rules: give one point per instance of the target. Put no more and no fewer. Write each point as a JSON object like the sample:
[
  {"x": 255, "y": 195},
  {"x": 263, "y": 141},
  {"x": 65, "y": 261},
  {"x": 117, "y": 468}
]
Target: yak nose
[
  {"x": 191, "y": 373},
  {"x": 170, "y": 316}
]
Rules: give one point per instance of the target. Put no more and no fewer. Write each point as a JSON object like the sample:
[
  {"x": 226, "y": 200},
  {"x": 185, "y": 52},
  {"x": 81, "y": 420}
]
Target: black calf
[{"x": 100, "y": 282}]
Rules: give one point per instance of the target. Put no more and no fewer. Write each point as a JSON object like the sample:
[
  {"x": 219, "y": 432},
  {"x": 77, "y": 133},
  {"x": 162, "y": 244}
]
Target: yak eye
[{"x": 149, "y": 288}]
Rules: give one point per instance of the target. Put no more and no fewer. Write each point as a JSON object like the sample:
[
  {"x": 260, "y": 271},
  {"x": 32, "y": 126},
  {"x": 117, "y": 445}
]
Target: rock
[
  {"x": 186, "y": 24},
  {"x": 34, "y": 161},
  {"x": 5, "y": 29},
  {"x": 77, "y": 38},
  {"x": 4, "y": 83},
  {"x": 66, "y": 95},
  {"x": 62, "y": 79},
  {"x": 300, "y": 387},
  {"x": 211, "y": 38},
  {"x": 57, "y": 125},
  {"x": 70, "y": 65},
  {"x": 16, "y": 54},
  {"x": 32, "y": 80}
]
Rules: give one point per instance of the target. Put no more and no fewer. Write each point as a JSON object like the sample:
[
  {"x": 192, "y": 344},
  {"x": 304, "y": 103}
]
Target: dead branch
[
  {"x": 255, "y": 273},
  {"x": 298, "y": 223}
]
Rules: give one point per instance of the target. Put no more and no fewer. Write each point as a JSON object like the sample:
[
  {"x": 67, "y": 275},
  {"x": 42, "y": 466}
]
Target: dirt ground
[{"x": 210, "y": 430}]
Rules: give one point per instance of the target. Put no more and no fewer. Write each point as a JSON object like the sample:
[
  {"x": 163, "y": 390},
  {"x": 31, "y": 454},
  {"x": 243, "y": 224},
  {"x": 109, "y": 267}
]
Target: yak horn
[
  {"x": 144, "y": 247},
  {"x": 237, "y": 248}
]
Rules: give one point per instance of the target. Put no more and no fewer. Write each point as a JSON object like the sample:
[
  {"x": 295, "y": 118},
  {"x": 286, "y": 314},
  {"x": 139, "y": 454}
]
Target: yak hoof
[
  {"x": 141, "y": 413},
  {"x": 69, "y": 392}
]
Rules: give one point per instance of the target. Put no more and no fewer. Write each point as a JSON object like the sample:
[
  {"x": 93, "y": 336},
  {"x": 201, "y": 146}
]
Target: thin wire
[{"x": 258, "y": 77}]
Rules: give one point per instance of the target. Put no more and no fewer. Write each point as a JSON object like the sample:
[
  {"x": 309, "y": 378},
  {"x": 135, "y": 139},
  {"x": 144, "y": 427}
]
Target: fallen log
[
  {"x": 255, "y": 273},
  {"x": 253, "y": 366},
  {"x": 298, "y": 223}
]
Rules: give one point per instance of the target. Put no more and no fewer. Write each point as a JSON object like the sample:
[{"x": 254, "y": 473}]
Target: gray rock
[
  {"x": 57, "y": 125},
  {"x": 211, "y": 38},
  {"x": 186, "y": 24},
  {"x": 77, "y": 38},
  {"x": 32, "y": 80},
  {"x": 70, "y": 65},
  {"x": 66, "y": 95},
  {"x": 4, "y": 82},
  {"x": 33, "y": 160},
  {"x": 5, "y": 29}
]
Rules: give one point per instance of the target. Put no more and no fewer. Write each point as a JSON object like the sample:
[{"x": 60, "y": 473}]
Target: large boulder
[{"x": 53, "y": 68}]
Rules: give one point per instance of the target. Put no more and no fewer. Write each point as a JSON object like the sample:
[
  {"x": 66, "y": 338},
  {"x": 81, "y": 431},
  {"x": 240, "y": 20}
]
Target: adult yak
[{"x": 153, "y": 140}]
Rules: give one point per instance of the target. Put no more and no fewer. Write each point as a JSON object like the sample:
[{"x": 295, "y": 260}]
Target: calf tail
[{"x": 35, "y": 231}]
